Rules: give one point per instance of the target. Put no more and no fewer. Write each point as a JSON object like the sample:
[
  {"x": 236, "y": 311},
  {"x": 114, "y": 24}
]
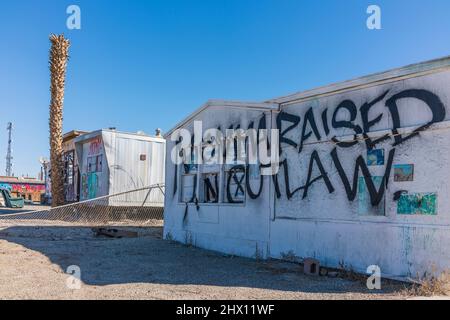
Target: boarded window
[
  {"x": 188, "y": 186},
  {"x": 365, "y": 207},
  {"x": 95, "y": 163},
  {"x": 210, "y": 187},
  {"x": 69, "y": 167},
  {"x": 234, "y": 184}
]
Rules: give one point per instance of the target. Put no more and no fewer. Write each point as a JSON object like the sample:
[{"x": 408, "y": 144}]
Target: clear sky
[{"x": 139, "y": 65}]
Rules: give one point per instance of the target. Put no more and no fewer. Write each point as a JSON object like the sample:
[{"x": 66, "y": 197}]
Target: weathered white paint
[
  {"x": 326, "y": 225},
  {"x": 214, "y": 226}
]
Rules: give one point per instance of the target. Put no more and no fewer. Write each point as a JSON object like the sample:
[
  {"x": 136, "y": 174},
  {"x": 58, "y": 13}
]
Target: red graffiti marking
[
  {"x": 27, "y": 187},
  {"x": 95, "y": 146}
]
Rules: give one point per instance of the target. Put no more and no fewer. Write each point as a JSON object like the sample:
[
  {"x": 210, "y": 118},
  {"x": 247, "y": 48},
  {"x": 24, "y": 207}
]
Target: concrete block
[{"x": 311, "y": 266}]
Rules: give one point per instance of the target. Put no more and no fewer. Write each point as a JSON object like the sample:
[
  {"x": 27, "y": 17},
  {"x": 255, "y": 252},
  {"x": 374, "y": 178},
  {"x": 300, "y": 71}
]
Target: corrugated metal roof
[{"x": 137, "y": 136}]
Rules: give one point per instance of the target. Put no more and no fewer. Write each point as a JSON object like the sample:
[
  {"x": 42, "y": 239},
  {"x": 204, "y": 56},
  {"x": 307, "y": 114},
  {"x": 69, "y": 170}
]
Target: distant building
[{"x": 30, "y": 189}]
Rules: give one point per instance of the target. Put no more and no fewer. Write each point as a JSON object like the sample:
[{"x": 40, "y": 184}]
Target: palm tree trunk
[{"x": 59, "y": 53}]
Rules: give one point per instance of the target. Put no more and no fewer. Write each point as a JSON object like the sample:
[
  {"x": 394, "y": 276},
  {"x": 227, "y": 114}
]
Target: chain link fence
[{"x": 137, "y": 206}]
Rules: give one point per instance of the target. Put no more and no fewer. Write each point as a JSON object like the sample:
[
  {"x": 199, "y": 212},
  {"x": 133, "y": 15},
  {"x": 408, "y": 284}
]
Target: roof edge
[
  {"x": 93, "y": 134},
  {"x": 408, "y": 71},
  {"x": 222, "y": 103}
]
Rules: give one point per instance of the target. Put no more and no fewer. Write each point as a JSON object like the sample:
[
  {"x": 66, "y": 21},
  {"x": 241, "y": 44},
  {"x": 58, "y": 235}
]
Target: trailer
[{"x": 113, "y": 162}]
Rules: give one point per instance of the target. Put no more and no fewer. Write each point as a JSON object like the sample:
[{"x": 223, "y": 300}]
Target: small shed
[{"x": 112, "y": 162}]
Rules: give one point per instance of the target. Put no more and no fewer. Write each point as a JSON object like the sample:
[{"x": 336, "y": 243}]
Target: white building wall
[
  {"x": 238, "y": 229},
  {"x": 129, "y": 162},
  {"x": 337, "y": 231},
  {"x": 406, "y": 236}
]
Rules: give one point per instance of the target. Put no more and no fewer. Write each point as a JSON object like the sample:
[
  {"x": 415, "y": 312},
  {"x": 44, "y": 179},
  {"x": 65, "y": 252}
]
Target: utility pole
[{"x": 8, "y": 153}]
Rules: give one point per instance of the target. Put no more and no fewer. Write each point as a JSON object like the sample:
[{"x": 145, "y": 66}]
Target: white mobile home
[
  {"x": 363, "y": 176},
  {"x": 112, "y": 162}
]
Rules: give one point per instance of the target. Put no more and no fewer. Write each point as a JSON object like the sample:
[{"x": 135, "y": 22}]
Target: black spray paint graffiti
[
  {"x": 239, "y": 175},
  {"x": 433, "y": 102},
  {"x": 235, "y": 178},
  {"x": 375, "y": 195},
  {"x": 211, "y": 188}
]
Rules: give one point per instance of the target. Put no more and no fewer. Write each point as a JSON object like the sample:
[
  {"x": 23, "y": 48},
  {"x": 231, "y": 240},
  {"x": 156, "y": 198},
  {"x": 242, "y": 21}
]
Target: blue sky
[{"x": 139, "y": 65}]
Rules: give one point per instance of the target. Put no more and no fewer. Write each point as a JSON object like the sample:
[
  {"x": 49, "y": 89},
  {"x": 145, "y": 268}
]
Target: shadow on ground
[
  {"x": 4, "y": 210},
  {"x": 150, "y": 259},
  {"x": 26, "y": 208}
]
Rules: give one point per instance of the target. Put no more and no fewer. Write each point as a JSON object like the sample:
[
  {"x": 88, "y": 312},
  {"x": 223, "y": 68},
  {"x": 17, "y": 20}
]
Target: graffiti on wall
[
  {"x": 92, "y": 169},
  {"x": 417, "y": 204},
  {"x": 403, "y": 172},
  {"x": 6, "y": 186},
  {"x": 95, "y": 146},
  {"x": 375, "y": 157},
  {"x": 371, "y": 188},
  {"x": 364, "y": 205},
  {"x": 89, "y": 185},
  {"x": 23, "y": 187}
]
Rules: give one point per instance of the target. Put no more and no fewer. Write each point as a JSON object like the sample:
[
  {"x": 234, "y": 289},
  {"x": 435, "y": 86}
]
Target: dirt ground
[{"x": 34, "y": 256}]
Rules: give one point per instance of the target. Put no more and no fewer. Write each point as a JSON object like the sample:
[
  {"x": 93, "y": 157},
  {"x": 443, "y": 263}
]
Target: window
[
  {"x": 91, "y": 164},
  {"x": 95, "y": 163},
  {"x": 69, "y": 167},
  {"x": 188, "y": 183},
  {"x": 210, "y": 187},
  {"x": 365, "y": 206},
  {"x": 99, "y": 162},
  {"x": 188, "y": 187},
  {"x": 214, "y": 183},
  {"x": 234, "y": 184}
]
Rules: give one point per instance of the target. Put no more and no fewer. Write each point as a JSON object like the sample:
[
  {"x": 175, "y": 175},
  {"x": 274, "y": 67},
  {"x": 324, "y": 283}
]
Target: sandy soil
[{"x": 34, "y": 256}]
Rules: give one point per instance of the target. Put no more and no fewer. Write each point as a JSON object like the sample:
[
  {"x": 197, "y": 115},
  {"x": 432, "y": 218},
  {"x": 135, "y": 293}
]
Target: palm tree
[{"x": 59, "y": 53}]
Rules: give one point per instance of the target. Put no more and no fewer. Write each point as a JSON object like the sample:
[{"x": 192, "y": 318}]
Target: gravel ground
[{"x": 35, "y": 254}]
